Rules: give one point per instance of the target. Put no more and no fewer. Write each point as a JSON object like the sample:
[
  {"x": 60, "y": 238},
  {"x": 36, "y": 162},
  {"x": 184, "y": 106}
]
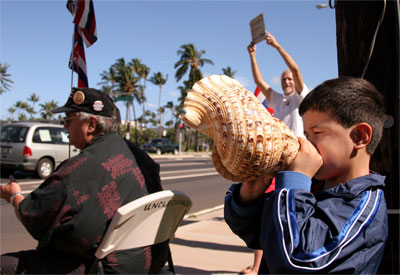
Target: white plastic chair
[{"x": 149, "y": 220}]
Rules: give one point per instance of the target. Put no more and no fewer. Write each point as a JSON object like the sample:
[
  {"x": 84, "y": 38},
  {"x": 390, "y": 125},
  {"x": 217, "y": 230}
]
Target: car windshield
[
  {"x": 13, "y": 133},
  {"x": 157, "y": 141}
]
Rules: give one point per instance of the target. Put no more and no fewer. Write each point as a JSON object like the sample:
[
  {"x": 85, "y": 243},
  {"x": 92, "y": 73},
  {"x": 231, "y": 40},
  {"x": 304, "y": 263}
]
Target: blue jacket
[{"x": 339, "y": 230}]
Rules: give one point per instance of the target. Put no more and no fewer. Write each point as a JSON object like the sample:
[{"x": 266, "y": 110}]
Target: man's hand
[
  {"x": 308, "y": 161},
  {"x": 7, "y": 190},
  {"x": 251, "y": 48},
  {"x": 271, "y": 40},
  {"x": 250, "y": 191}
]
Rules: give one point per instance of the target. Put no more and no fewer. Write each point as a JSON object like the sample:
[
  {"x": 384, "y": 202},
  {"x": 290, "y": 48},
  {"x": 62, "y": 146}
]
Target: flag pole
[{"x": 71, "y": 56}]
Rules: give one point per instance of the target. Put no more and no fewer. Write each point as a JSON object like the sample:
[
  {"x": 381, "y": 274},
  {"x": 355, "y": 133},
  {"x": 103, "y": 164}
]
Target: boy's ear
[{"x": 361, "y": 135}]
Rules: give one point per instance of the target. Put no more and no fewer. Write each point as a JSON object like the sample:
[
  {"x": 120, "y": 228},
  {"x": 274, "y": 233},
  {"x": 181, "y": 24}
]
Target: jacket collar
[{"x": 355, "y": 186}]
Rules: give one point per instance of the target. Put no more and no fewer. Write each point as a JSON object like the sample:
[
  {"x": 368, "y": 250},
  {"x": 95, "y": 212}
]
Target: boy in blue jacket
[{"x": 341, "y": 228}]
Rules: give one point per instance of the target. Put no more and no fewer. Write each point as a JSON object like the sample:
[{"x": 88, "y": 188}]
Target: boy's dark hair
[{"x": 349, "y": 100}]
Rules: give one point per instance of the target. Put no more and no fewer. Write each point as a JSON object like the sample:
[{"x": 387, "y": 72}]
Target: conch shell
[{"x": 248, "y": 141}]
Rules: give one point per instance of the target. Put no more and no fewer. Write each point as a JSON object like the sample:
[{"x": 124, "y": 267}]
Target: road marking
[
  {"x": 161, "y": 173},
  {"x": 193, "y": 170},
  {"x": 162, "y": 178},
  {"x": 26, "y": 182},
  {"x": 181, "y": 164},
  {"x": 205, "y": 211},
  {"x": 189, "y": 176}
]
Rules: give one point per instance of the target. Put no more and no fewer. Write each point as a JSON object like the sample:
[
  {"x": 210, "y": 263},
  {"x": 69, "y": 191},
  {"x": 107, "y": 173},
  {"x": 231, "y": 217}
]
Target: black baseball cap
[{"x": 88, "y": 100}]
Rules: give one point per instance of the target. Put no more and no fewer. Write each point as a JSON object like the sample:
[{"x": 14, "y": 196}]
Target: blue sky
[{"x": 36, "y": 40}]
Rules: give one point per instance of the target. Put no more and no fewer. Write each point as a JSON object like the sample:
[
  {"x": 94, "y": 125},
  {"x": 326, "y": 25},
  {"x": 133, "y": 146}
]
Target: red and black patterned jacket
[{"x": 70, "y": 210}]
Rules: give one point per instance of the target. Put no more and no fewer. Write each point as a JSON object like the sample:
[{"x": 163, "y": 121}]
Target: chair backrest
[{"x": 149, "y": 220}]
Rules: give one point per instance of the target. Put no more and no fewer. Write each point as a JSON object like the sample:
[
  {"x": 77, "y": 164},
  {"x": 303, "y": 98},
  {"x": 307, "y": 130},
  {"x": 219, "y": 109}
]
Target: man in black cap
[{"x": 69, "y": 212}]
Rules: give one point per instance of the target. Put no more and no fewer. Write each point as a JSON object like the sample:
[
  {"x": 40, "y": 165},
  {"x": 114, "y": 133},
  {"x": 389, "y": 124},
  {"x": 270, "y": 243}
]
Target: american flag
[
  {"x": 77, "y": 61},
  {"x": 263, "y": 100}
]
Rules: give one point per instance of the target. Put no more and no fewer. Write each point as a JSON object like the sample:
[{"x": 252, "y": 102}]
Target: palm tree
[
  {"x": 228, "y": 71},
  {"x": 158, "y": 79},
  {"x": 141, "y": 98},
  {"x": 22, "y": 117},
  {"x": 192, "y": 58},
  {"x": 161, "y": 111},
  {"x": 169, "y": 123},
  {"x": 5, "y": 81},
  {"x": 20, "y": 106},
  {"x": 142, "y": 71},
  {"x": 187, "y": 85},
  {"x": 128, "y": 86},
  {"x": 107, "y": 89},
  {"x": 109, "y": 77},
  {"x": 174, "y": 114},
  {"x": 31, "y": 111},
  {"x": 127, "y": 83},
  {"x": 148, "y": 115},
  {"x": 152, "y": 118},
  {"x": 11, "y": 110},
  {"x": 24, "y": 107},
  {"x": 175, "y": 111},
  {"x": 33, "y": 98},
  {"x": 46, "y": 109}
]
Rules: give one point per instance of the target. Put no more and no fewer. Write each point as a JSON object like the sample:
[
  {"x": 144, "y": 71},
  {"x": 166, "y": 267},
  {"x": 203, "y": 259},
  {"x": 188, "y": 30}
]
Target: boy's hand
[
  {"x": 250, "y": 191},
  {"x": 308, "y": 161}
]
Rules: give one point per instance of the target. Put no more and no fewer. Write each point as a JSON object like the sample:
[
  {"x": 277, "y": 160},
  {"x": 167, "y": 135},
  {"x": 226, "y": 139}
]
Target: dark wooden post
[{"x": 356, "y": 22}]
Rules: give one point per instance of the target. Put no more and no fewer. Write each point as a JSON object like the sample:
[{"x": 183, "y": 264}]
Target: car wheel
[
  {"x": 159, "y": 151},
  {"x": 176, "y": 151},
  {"x": 45, "y": 168}
]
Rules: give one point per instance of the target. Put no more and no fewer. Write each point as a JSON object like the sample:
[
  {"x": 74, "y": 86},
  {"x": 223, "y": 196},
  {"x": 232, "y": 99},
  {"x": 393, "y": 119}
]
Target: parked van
[{"x": 34, "y": 146}]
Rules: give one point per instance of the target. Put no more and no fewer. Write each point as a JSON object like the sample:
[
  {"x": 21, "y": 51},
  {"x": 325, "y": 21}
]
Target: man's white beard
[{"x": 287, "y": 90}]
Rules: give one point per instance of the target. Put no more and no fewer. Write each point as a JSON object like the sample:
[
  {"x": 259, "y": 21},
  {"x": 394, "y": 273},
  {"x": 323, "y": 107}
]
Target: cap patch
[
  {"x": 98, "y": 105},
  {"x": 78, "y": 97}
]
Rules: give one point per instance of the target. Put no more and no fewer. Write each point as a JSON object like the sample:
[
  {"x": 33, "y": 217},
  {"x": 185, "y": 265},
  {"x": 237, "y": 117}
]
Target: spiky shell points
[{"x": 248, "y": 141}]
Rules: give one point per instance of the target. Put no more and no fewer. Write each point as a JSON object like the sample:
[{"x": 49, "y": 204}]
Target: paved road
[{"x": 194, "y": 176}]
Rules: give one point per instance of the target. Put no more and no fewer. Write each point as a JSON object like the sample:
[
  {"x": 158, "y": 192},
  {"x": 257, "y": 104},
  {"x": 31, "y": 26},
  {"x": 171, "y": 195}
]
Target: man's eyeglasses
[{"x": 67, "y": 120}]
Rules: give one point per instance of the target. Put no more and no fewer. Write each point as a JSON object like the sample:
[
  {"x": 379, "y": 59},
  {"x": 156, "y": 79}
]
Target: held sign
[{"x": 257, "y": 28}]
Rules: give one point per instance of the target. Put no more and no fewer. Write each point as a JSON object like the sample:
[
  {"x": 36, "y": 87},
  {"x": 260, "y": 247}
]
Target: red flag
[{"x": 77, "y": 61}]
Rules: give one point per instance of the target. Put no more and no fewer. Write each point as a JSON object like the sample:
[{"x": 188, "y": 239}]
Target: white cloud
[
  {"x": 151, "y": 88},
  {"x": 276, "y": 80},
  {"x": 174, "y": 93},
  {"x": 244, "y": 81}
]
